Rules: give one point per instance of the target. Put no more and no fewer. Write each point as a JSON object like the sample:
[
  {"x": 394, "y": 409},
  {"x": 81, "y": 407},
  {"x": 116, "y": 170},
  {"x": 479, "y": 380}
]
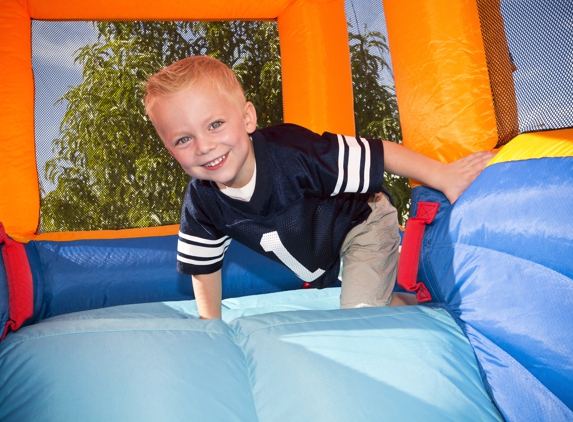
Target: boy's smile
[
  {"x": 207, "y": 132},
  {"x": 215, "y": 164}
]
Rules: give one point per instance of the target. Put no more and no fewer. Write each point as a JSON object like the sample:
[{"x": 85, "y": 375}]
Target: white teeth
[{"x": 215, "y": 162}]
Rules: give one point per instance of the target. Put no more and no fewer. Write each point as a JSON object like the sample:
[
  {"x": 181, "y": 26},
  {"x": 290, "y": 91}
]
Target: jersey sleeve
[
  {"x": 328, "y": 164},
  {"x": 201, "y": 246},
  {"x": 359, "y": 165}
]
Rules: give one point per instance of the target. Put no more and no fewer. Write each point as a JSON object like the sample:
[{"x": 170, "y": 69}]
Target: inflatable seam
[
  {"x": 463, "y": 326},
  {"x": 428, "y": 269},
  {"x": 250, "y": 378},
  {"x": 310, "y": 321}
]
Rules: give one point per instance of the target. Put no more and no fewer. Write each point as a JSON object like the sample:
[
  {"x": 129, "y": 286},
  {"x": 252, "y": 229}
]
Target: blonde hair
[{"x": 184, "y": 73}]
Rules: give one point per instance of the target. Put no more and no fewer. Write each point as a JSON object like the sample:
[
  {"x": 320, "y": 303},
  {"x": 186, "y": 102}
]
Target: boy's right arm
[
  {"x": 208, "y": 291},
  {"x": 452, "y": 179}
]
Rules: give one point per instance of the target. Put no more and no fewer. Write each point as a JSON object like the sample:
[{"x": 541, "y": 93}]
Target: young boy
[{"x": 297, "y": 197}]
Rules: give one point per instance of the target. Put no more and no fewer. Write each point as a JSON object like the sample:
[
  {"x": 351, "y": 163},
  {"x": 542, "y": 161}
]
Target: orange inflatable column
[
  {"x": 317, "y": 79},
  {"x": 442, "y": 83},
  {"x": 19, "y": 189}
]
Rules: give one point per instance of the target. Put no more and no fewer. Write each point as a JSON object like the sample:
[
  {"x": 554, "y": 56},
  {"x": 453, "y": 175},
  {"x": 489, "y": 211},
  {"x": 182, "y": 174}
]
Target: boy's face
[{"x": 207, "y": 133}]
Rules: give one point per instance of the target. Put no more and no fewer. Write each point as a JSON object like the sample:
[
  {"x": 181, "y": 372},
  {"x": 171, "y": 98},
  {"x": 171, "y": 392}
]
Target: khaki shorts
[{"x": 370, "y": 257}]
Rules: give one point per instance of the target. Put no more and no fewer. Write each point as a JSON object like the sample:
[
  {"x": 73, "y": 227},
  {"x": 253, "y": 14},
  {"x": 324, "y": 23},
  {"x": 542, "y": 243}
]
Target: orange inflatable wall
[{"x": 442, "y": 82}]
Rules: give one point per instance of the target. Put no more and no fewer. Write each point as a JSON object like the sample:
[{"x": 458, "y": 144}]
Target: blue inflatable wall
[
  {"x": 501, "y": 262},
  {"x": 91, "y": 274}
]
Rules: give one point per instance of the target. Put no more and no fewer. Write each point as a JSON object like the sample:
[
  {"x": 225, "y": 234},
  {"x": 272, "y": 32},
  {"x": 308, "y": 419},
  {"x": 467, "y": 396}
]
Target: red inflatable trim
[
  {"x": 20, "y": 286},
  {"x": 411, "y": 248}
]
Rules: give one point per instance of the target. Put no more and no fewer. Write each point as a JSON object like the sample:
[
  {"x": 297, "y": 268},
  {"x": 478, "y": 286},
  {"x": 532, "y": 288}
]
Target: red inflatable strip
[
  {"x": 20, "y": 286},
  {"x": 411, "y": 248}
]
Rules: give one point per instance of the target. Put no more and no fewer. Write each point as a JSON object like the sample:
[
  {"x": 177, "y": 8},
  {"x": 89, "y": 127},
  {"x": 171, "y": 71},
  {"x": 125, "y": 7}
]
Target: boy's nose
[{"x": 204, "y": 145}]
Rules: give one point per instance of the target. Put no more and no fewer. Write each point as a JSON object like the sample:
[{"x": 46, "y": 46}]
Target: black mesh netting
[{"x": 540, "y": 43}]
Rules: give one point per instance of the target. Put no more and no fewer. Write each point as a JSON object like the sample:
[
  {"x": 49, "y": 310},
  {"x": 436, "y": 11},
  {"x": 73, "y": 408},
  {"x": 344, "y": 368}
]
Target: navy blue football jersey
[{"x": 310, "y": 191}]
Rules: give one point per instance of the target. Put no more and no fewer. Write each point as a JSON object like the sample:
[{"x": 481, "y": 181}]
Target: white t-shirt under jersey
[{"x": 246, "y": 192}]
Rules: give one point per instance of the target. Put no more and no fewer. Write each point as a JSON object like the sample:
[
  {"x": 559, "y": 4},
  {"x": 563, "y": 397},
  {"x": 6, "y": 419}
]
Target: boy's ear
[{"x": 250, "y": 117}]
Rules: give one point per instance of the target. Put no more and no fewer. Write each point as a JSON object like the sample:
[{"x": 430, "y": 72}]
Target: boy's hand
[
  {"x": 457, "y": 176},
  {"x": 451, "y": 179}
]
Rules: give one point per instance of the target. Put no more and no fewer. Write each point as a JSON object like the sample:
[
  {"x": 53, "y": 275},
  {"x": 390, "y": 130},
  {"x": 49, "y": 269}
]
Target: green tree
[{"x": 375, "y": 106}]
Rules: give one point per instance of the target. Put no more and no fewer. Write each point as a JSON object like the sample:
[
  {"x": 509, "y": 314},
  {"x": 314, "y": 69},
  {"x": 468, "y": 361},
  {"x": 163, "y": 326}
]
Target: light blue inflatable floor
[{"x": 289, "y": 356}]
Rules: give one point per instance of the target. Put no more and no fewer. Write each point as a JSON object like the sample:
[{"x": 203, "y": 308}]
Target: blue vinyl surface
[
  {"x": 500, "y": 260},
  {"x": 157, "y": 361}
]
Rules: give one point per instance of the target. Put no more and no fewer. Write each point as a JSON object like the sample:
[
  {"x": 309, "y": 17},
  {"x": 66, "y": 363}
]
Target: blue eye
[
  {"x": 183, "y": 140},
  {"x": 216, "y": 124}
]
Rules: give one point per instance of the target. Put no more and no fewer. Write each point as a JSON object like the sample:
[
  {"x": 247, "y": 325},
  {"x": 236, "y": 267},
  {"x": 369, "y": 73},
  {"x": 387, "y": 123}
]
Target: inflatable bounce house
[{"x": 98, "y": 326}]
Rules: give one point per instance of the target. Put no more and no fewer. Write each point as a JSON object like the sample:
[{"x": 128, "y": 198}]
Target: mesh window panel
[
  {"x": 500, "y": 67},
  {"x": 540, "y": 42},
  {"x": 100, "y": 162},
  {"x": 375, "y": 105}
]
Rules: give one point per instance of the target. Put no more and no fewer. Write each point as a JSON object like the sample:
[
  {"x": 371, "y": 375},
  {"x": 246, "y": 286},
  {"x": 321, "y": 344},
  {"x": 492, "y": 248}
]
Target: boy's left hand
[{"x": 457, "y": 176}]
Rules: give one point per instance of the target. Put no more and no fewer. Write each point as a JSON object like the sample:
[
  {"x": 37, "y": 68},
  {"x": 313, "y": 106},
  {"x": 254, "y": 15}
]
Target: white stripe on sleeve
[
  {"x": 366, "y": 164},
  {"x": 195, "y": 262},
  {"x": 354, "y": 155},
  {"x": 201, "y": 240},
  {"x": 202, "y": 251},
  {"x": 341, "y": 148}
]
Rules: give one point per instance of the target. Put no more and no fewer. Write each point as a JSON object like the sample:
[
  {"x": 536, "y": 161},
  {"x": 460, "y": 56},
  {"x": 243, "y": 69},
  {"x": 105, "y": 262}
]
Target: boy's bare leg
[{"x": 403, "y": 299}]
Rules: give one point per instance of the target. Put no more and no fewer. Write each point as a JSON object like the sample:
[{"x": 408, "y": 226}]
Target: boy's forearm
[
  {"x": 208, "y": 291},
  {"x": 452, "y": 179},
  {"x": 405, "y": 162}
]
